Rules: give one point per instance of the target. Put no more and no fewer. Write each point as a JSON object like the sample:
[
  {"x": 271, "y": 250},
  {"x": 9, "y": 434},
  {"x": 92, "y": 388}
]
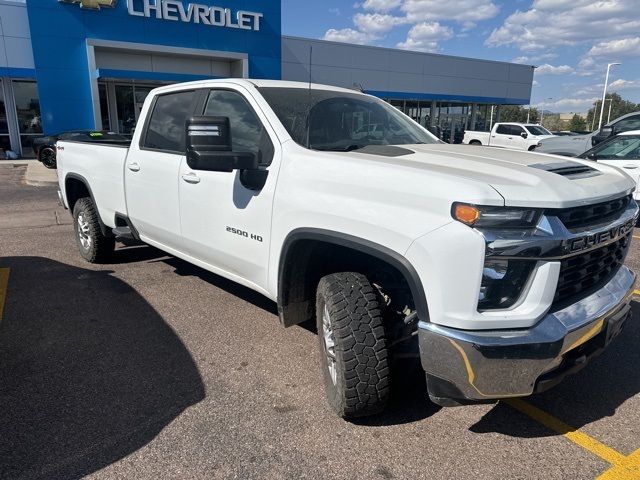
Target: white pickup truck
[
  {"x": 521, "y": 136},
  {"x": 502, "y": 271}
]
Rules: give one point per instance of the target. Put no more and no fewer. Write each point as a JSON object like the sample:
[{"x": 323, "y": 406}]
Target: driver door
[{"x": 225, "y": 225}]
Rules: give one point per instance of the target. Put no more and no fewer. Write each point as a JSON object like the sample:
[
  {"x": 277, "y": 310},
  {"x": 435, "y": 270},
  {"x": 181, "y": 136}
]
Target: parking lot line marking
[
  {"x": 636, "y": 292},
  {"x": 636, "y": 236},
  {"x": 572, "y": 434},
  {"x": 4, "y": 281}
]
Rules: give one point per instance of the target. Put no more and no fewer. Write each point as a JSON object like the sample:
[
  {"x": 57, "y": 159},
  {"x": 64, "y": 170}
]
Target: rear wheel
[
  {"x": 353, "y": 345},
  {"x": 93, "y": 245},
  {"x": 475, "y": 142},
  {"x": 48, "y": 157}
]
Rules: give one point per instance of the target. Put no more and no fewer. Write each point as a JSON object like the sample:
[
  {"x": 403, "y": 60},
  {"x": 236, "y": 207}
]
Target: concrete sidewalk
[{"x": 37, "y": 174}]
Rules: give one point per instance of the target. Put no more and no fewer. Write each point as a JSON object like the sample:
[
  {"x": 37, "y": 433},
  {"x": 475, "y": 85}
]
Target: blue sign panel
[{"x": 60, "y": 29}]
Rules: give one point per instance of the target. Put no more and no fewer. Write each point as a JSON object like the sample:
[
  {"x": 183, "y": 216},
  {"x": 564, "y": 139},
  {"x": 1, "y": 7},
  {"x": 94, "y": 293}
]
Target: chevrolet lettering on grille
[{"x": 590, "y": 241}]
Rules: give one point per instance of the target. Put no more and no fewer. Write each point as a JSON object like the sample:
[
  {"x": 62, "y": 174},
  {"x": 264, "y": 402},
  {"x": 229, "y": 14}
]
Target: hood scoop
[
  {"x": 571, "y": 170},
  {"x": 384, "y": 150}
]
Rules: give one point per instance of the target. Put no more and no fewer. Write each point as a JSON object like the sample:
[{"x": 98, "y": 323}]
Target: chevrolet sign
[
  {"x": 93, "y": 4},
  {"x": 175, "y": 10}
]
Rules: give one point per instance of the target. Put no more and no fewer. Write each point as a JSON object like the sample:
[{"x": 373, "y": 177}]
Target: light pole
[
  {"x": 609, "y": 114},
  {"x": 542, "y": 112},
  {"x": 604, "y": 93}
]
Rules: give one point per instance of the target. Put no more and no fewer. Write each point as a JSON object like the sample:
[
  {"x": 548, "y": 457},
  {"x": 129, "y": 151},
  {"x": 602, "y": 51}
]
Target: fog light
[{"x": 503, "y": 282}]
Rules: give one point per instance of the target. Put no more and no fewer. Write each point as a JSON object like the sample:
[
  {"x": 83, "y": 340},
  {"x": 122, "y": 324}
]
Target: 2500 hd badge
[{"x": 242, "y": 233}]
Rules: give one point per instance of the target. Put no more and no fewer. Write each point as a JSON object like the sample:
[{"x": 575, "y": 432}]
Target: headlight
[
  {"x": 503, "y": 282},
  {"x": 495, "y": 217}
]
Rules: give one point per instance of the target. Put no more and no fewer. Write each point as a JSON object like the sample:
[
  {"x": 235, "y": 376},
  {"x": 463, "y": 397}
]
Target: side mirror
[
  {"x": 209, "y": 146},
  {"x": 592, "y": 156},
  {"x": 524, "y": 134},
  {"x": 602, "y": 135}
]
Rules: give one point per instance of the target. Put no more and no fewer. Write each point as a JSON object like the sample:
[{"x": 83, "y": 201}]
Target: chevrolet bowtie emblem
[{"x": 93, "y": 4}]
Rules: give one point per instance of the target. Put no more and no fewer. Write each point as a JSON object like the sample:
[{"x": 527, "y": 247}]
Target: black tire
[
  {"x": 475, "y": 142},
  {"x": 362, "y": 370},
  {"x": 48, "y": 157},
  {"x": 93, "y": 245}
]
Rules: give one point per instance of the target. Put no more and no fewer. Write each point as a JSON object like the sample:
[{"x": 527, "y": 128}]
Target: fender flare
[
  {"x": 75, "y": 176},
  {"x": 376, "y": 250}
]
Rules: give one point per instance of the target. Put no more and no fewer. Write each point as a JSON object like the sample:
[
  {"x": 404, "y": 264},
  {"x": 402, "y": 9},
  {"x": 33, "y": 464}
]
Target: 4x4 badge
[{"x": 93, "y": 4}]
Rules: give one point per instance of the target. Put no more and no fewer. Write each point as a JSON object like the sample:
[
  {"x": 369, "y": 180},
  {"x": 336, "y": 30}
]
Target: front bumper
[{"x": 469, "y": 366}]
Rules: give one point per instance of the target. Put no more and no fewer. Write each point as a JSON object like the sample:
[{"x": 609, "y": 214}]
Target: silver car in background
[{"x": 574, "y": 145}]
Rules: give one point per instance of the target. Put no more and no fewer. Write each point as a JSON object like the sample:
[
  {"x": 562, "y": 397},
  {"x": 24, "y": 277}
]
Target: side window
[
  {"x": 166, "y": 127},
  {"x": 247, "y": 132},
  {"x": 622, "y": 148},
  {"x": 631, "y": 123},
  {"x": 503, "y": 130},
  {"x": 516, "y": 129}
]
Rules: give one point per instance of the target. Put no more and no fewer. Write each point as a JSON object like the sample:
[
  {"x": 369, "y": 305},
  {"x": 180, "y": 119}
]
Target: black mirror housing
[
  {"x": 209, "y": 146},
  {"x": 524, "y": 134},
  {"x": 602, "y": 135}
]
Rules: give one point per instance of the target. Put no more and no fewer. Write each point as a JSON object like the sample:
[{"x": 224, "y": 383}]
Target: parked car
[
  {"x": 621, "y": 151},
  {"x": 396, "y": 245},
  {"x": 520, "y": 136},
  {"x": 45, "y": 147},
  {"x": 572, "y": 146}
]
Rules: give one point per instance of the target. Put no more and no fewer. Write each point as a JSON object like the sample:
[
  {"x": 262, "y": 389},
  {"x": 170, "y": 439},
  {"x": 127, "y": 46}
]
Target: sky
[{"x": 570, "y": 41}]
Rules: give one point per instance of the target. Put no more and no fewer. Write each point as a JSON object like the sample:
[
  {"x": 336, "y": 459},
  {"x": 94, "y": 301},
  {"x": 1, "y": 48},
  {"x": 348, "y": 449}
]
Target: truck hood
[{"x": 525, "y": 179}]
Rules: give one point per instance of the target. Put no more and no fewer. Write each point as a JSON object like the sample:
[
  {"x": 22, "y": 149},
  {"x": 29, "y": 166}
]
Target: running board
[
  {"x": 127, "y": 230},
  {"x": 123, "y": 232}
]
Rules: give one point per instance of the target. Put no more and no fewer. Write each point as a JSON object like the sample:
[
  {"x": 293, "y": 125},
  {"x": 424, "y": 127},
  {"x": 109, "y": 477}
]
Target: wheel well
[
  {"x": 75, "y": 189},
  {"x": 475, "y": 142},
  {"x": 532, "y": 148},
  {"x": 306, "y": 261}
]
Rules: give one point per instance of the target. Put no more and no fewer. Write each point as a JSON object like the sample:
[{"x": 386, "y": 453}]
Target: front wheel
[
  {"x": 94, "y": 246},
  {"x": 475, "y": 142},
  {"x": 353, "y": 345}
]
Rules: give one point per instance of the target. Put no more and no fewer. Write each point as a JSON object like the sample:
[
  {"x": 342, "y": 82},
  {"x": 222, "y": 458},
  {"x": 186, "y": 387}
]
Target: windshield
[
  {"x": 538, "y": 130},
  {"x": 341, "y": 121}
]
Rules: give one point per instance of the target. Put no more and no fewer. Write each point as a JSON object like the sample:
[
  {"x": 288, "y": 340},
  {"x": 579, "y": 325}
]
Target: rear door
[
  {"x": 502, "y": 136},
  {"x": 622, "y": 152},
  {"x": 152, "y": 168},
  {"x": 225, "y": 224}
]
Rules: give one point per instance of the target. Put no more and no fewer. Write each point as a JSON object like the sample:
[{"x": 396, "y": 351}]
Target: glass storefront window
[
  {"x": 28, "y": 112},
  {"x": 104, "y": 106},
  {"x": 129, "y": 101},
  {"x": 5, "y": 140}
]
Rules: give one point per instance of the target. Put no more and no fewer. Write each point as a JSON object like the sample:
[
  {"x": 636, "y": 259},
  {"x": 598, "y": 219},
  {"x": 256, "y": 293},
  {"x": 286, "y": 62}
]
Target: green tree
[
  {"x": 518, "y": 113},
  {"x": 577, "y": 123},
  {"x": 619, "y": 107}
]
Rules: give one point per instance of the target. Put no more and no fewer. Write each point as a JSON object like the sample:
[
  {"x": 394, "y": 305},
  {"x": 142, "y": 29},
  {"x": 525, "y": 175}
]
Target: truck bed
[{"x": 103, "y": 163}]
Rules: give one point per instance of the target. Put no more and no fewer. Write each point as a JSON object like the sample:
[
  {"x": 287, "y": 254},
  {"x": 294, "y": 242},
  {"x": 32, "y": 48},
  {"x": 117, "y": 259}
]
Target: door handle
[
  {"x": 191, "y": 178},
  {"x": 134, "y": 167},
  {"x": 630, "y": 167}
]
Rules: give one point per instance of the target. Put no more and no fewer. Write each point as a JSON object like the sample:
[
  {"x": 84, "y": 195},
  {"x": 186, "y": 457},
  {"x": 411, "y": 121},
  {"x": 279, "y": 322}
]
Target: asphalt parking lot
[{"x": 152, "y": 368}]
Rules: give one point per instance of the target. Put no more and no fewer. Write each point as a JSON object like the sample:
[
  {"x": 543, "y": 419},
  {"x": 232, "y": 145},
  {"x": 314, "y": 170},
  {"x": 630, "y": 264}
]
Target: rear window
[{"x": 167, "y": 125}]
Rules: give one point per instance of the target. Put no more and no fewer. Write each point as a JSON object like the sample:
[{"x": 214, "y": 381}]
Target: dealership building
[{"x": 89, "y": 64}]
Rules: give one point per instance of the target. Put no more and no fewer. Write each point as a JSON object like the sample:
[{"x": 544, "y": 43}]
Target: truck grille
[
  {"x": 590, "y": 269},
  {"x": 592, "y": 214}
]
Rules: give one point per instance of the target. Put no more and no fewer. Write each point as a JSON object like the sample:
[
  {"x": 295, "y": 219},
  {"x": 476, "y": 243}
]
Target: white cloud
[
  {"x": 532, "y": 59},
  {"x": 425, "y": 36},
  {"x": 335, "y": 11},
  {"x": 547, "y": 69},
  {"x": 553, "y": 23},
  {"x": 622, "y": 84},
  {"x": 374, "y": 23},
  {"x": 349, "y": 35},
  {"x": 569, "y": 104},
  {"x": 381, "y": 5},
  {"x": 618, "y": 48},
  {"x": 535, "y": 83},
  {"x": 467, "y": 12}
]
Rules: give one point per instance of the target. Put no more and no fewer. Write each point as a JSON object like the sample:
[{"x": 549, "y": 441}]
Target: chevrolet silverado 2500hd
[
  {"x": 519, "y": 136},
  {"x": 503, "y": 270}
]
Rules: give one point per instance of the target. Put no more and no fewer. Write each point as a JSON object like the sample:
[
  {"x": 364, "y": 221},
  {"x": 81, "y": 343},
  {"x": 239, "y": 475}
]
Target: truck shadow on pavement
[
  {"x": 592, "y": 394},
  {"x": 89, "y": 371}
]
